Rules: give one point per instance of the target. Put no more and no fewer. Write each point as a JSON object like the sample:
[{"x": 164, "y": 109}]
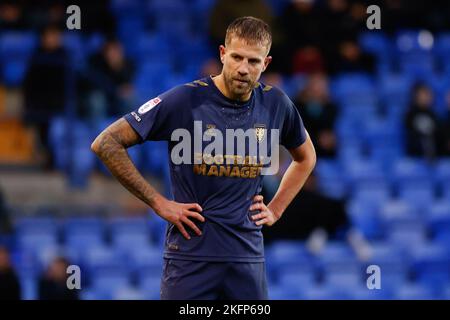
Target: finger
[
  {"x": 195, "y": 215},
  {"x": 194, "y": 206},
  {"x": 258, "y": 198},
  {"x": 256, "y": 206},
  {"x": 262, "y": 221},
  {"x": 192, "y": 226},
  {"x": 260, "y": 216},
  {"x": 183, "y": 231}
]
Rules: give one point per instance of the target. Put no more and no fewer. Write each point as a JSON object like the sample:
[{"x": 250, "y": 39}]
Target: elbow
[
  {"x": 96, "y": 145},
  {"x": 312, "y": 160}
]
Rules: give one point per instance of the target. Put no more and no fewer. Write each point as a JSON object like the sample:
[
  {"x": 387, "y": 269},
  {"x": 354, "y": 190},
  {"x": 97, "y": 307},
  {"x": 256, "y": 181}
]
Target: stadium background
[{"x": 58, "y": 200}]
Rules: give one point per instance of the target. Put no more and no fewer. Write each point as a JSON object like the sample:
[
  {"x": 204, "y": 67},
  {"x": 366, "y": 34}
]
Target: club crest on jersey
[
  {"x": 260, "y": 132},
  {"x": 149, "y": 105}
]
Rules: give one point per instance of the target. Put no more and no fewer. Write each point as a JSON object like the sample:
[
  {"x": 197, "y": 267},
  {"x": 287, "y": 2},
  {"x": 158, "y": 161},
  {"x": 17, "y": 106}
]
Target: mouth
[{"x": 241, "y": 81}]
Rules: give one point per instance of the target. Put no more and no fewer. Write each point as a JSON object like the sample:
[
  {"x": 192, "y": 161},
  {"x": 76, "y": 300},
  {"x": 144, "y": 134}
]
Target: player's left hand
[{"x": 265, "y": 216}]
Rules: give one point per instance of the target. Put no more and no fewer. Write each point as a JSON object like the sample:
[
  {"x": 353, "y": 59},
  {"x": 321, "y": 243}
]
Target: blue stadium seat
[
  {"x": 108, "y": 283},
  {"x": 15, "y": 43},
  {"x": 150, "y": 285},
  {"x": 150, "y": 46},
  {"x": 441, "y": 171},
  {"x": 445, "y": 294},
  {"x": 278, "y": 292},
  {"x": 74, "y": 43},
  {"x": 35, "y": 241},
  {"x": 338, "y": 258},
  {"x": 327, "y": 292},
  {"x": 297, "y": 279},
  {"x": 36, "y": 224},
  {"x": 171, "y": 17},
  {"x": 411, "y": 41},
  {"x": 28, "y": 287},
  {"x": 126, "y": 7},
  {"x": 16, "y": 49},
  {"x": 354, "y": 89},
  {"x": 34, "y": 234},
  {"x": 418, "y": 196},
  {"x": 364, "y": 171},
  {"x": 393, "y": 262},
  {"x": 342, "y": 280},
  {"x": 78, "y": 156},
  {"x": 101, "y": 259},
  {"x": 376, "y": 43},
  {"x": 81, "y": 232},
  {"x": 363, "y": 293},
  {"x": 413, "y": 292},
  {"x": 396, "y": 210},
  {"x": 410, "y": 171},
  {"x": 394, "y": 89},
  {"x": 288, "y": 254},
  {"x": 125, "y": 240},
  {"x": 363, "y": 215},
  {"x": 372, "y": 192},
  {"x": 378, "y": 131},
  {"x": 128, "y": 293},
  {"x": 331, "y": 181},
  {"x": 431, "y": 265},
  {"x": 145, "y": 260}
]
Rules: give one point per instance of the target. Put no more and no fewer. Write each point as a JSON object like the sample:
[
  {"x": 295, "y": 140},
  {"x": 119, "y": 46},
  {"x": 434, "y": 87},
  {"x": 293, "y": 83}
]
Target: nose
[{"x": 243, "y": 68}]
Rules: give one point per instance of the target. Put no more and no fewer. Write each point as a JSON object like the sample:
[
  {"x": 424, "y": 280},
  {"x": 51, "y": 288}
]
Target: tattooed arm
[{"x": 110, "y": 146}]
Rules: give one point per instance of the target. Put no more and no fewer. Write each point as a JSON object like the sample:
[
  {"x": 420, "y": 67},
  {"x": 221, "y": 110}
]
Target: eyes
[{"x": 252, "y": 61}]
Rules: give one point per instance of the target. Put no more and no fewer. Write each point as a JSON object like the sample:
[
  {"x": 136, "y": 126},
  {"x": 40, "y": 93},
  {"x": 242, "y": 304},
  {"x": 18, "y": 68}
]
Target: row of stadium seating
[{"x": 130, "y": 263}]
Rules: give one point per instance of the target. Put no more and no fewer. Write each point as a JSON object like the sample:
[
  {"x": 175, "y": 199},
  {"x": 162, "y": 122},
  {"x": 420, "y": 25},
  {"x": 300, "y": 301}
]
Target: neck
[{"x": 220, "y": 83}]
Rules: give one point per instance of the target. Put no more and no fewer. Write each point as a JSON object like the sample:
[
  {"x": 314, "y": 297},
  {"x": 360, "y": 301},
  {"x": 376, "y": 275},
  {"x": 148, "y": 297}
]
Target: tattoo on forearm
[{"x": 112, "y": 151}]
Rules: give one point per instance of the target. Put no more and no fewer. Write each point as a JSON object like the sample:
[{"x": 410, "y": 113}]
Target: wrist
[
  {"x": 277, "y": 212},
  {"x": 158, "y": 203}
]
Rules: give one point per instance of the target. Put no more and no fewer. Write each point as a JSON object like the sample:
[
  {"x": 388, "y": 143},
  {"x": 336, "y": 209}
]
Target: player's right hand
[{"x": 179, "y": 213}]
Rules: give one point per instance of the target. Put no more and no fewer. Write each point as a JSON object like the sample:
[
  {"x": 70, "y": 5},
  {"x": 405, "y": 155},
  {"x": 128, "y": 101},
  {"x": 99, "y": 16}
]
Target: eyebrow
[{"x": 234, "y": 54}]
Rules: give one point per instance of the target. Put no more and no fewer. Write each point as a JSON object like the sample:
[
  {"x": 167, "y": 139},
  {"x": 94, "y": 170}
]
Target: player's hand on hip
[
  {"x": 179, "y": 214},
  {"x": 265, "y": 216}
]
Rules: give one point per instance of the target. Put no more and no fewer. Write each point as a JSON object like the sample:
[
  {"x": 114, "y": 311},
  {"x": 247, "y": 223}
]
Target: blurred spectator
[
  {"x": 319, "y": 114},
  {"x": 446, "y": 127},
  {"x": 336, "y": 26},
  {"x": 350, "y": 58},
  {"x": 422, "y": 125},
  {"x": 11, "y": 16},
  {"x": 225, "y": 11},
  {"x": 308, "y": 211},
  {"x": 315, "y": 218},
  {"x": 9, "y": 283},
  {"x": 300, "y": 24},
  {"x": 5, "y": 224},
  {"x": 274, "y": 79},
  {"x": 210, "y": 67},
  {"x": 308, "y": 60},
  {"x": 107, "y": 88},
  {"x": 44, "y": 85},
  {"x": 53, "y": 286}
]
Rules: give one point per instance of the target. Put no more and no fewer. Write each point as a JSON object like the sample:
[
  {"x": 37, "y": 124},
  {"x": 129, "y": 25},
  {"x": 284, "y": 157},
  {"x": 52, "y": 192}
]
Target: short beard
[{"x": 237, "y": 95}]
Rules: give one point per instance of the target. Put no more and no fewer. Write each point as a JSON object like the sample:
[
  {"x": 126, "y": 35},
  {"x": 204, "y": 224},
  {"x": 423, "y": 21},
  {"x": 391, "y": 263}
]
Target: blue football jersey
[{"x": 223, "y": 180}]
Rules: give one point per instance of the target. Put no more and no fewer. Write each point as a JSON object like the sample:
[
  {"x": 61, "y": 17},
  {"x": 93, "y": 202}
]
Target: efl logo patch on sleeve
[
  {"x": 134, "y": 114},
  {"x": 149, "y": 105}
]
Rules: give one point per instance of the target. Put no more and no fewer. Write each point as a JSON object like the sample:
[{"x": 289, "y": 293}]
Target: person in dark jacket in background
[
  {"x": 53, "y": 284},
  {"x": 9, "y": 282}
]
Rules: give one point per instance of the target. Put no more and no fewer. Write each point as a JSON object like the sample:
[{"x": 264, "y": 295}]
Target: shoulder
[{"x": 274, "y": 95}]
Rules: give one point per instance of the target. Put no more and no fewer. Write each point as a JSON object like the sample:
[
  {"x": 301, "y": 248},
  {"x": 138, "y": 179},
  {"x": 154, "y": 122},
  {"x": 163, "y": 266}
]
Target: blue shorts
[{"x": 203, "y": 280}]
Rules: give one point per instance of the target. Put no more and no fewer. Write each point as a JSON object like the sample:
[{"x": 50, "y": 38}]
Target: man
[{"x": 214, "y": 244}]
